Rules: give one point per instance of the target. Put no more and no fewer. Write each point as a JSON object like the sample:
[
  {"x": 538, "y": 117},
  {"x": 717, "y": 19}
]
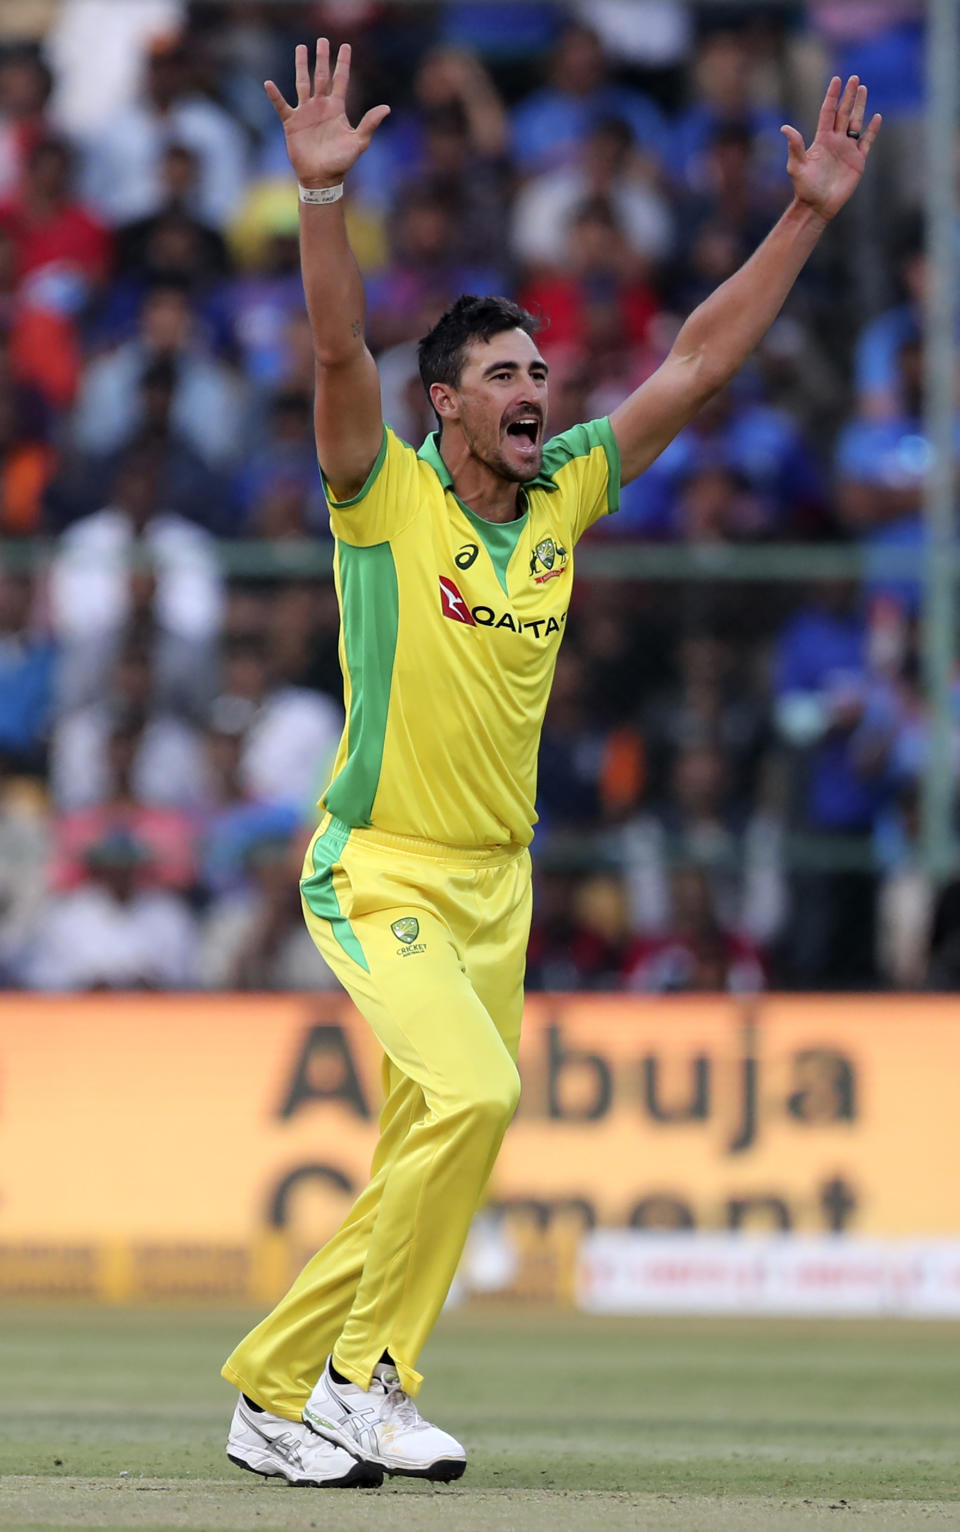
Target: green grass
[{"x": 117, "y": 1418}]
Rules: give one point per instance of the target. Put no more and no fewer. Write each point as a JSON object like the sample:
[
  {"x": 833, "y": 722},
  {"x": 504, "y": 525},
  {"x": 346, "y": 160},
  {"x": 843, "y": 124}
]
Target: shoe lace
[{"x": 400, "y": 1406}]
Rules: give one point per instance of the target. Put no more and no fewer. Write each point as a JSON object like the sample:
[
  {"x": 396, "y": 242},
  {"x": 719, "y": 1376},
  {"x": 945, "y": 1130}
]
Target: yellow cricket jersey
[{"x": 450, "y": 627}]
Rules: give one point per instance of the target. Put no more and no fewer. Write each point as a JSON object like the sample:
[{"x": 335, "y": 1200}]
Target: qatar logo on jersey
[{"x": 452, "y": 603}]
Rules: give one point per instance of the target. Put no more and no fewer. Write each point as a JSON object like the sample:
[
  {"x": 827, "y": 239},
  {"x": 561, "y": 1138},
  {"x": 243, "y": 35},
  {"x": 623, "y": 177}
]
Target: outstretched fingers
[
  {"x": 828, "y": 111},
  {"x": 341, "y": 74},
  {"x": 859, "y": 110},
  {"x": 796, "y": 150},
  {"x": 302, "y": 70},
  {"x": 324, "y": 83},
  {"x": 370, "y": 122},
  {"x": 321, "y": 73},
  {"x": 866, "y": 139},
  {"x": 847, "y": 103},
  {"x": 280, "y": 105}
]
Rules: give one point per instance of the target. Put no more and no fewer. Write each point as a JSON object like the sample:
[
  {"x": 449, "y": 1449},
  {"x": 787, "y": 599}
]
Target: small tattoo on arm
[{"x": 357, "y": 329}]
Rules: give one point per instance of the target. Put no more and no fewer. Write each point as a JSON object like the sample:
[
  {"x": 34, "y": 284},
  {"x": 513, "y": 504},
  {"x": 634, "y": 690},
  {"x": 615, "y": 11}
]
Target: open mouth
[{"x": 526, "y": 429}]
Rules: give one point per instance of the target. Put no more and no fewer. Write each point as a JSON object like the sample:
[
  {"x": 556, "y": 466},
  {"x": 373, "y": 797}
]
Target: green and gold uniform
[
  {"x": 451, "y": 626},
  {"x": 416, "y": 886}
]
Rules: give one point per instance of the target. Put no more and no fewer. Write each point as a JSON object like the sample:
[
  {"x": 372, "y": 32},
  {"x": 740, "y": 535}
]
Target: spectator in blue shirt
[
  {"x": 722, "y": 97},
  {"x": 208, "y": 406},
  {"x": 26, "y": 677},
  {"x": 549, "y": 126},
  {"x": 428, "y": 266},
  {"x": 285, "y": 459},
  {"x": 876, "y": 359},
  {"x": 232, "y": 820},
  {"x": 842, "y": 726},
  {"x": 759, "y": 444},
  {"x": 881, "y": 468},
  {"x": 730, "y": 188},
  {"x": 501, "y": 29},
  {"x": 878, "y": 367},
  {"x": 883, "y": 44}
]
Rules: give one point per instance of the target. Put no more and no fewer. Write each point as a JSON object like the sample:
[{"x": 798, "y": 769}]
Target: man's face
[
  {"x": 578, "y": 66},
  {"x": 23, "y": 88},
  {"x": 165, "y": 320},
  {"x": 179, "y": 171},
  {"x": 501, "y": 404},
  {"x": 50, "y": 171},
  {"x": 698, "y": 779},
  {"x": 137, "y": 490},
  {"x": 16, "y": 595},
  {"x": 166, "y": 76}
]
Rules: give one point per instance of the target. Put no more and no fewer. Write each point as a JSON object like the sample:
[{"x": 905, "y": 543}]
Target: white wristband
[{"x": 321, "y": 193}]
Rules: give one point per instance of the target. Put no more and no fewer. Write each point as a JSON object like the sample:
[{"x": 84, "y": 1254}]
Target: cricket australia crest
[
  {"x": 406, "y": 930},
  {"x": 549, "y": 560}
]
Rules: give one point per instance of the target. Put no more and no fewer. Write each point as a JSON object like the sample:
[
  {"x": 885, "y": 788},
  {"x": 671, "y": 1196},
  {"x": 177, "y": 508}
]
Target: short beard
[
  {"x": 515, "y": 475},
  {"x": 504, "y": 470}
]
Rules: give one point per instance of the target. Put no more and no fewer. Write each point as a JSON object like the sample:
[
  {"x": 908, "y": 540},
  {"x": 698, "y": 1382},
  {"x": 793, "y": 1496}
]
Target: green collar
[{"x": 430, "y": 453}]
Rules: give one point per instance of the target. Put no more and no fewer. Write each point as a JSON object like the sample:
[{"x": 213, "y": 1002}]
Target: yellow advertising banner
[{"x": 213, "y": 1125}]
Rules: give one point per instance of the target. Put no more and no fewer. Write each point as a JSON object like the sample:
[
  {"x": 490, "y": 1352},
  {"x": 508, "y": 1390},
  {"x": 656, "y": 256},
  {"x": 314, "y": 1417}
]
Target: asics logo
[{"x": 285, "y": 1446}]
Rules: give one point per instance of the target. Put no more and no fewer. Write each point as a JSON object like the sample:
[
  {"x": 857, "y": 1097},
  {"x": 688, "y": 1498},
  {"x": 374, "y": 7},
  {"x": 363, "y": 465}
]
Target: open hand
[
  {"x": 825, "y": 175},
  {"x": 320, "y": 141}
]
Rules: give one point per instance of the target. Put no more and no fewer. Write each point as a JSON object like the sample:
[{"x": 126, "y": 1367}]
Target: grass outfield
[{"x": 116, "y": 1418}]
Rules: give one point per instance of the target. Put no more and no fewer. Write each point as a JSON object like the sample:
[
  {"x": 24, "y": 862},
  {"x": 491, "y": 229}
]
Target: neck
[{"x": 476, "y": 484}]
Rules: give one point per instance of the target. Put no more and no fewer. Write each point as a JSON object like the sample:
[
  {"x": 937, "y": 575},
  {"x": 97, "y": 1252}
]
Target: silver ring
[{"x": 853, "y": 133}]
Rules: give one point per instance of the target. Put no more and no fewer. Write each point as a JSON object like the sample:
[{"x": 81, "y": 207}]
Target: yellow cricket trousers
[{"x": 430, "y": 943}]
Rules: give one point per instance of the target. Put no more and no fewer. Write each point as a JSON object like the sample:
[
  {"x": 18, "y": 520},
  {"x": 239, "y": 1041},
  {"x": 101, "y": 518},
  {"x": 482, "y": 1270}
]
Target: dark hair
[
  {"x": 440, "y": 353},
  {"x": 177, "y": 150},
  {"x": 18, "y": 54},
  {"x": 178, "y": 283},
  {"x": 909, "y": 238}
]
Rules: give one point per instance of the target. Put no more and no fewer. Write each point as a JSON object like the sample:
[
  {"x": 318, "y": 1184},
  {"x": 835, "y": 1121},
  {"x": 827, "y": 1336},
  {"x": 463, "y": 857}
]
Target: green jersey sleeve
[{"x": 585, "y": 462}]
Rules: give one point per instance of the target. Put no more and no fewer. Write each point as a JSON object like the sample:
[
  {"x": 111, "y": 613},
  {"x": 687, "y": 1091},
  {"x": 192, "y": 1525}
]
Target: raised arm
[
  {"x": 719, "y": 335},
  {"x": 322, "y": 147}
]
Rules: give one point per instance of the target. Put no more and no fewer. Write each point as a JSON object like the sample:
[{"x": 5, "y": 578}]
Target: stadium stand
[{"x": 729, "y": 775}]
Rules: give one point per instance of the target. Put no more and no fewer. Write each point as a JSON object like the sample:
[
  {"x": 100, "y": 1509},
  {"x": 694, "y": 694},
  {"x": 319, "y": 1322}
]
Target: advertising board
[{"x": 204, "y": 1134}]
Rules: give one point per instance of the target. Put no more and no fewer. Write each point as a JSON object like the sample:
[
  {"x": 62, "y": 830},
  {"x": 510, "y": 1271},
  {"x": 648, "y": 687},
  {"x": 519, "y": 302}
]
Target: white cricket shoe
[
  {"x": 383, "y": 1426},
  {"x": 284, "y": 1449}
]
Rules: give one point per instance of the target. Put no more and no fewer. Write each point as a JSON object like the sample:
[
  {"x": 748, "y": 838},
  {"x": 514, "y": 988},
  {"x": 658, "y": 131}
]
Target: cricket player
[{"x": 454, "y": 567}]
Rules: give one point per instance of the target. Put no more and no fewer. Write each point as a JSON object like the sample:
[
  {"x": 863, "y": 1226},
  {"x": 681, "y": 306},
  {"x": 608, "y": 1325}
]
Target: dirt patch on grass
[{"x": 162, "y": 1505}]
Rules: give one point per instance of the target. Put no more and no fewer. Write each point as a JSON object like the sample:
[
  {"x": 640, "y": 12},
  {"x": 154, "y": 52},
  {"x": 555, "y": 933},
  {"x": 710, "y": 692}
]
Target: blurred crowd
[{"x": 730, "y": 773}]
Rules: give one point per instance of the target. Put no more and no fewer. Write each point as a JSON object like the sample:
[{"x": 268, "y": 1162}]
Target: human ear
[{"x": 444, "y": 400}]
